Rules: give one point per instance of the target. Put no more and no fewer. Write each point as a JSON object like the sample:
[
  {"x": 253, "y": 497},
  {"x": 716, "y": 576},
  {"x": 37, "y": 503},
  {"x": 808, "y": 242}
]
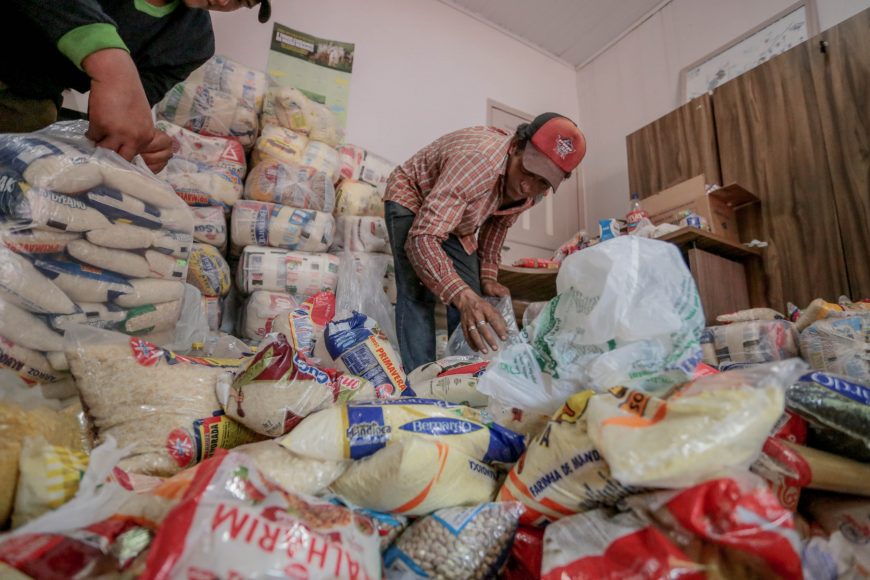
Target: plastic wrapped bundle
[
  {"x": 290, "y": 108},
  {"x": 298, "y": 273},
  {"x": 257, "y": 223},
  {"x": 279, "y": 144},
  {"x": 210, "y": 226},
  {"x": 839, "y": 345},
  {"x": 209, "y": 272},
  {"x": 292, "y": 185},
  {"x": 260, "y": 309},
  {"x": 209, "y": 112},
  {"x": 366, "y": 234},
  {"x": 80, "y": 230},
  {"x": 323, "y": 158},
  {"x": 753, "y": 342},
  {"x": 246, "y": 84},
  {"x": 361, "y": 165},
  {"x": 358, "y": 198}
]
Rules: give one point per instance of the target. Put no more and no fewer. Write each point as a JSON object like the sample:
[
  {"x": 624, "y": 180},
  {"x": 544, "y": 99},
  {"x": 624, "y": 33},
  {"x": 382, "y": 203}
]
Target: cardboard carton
[{"x": 718, "y": 207}]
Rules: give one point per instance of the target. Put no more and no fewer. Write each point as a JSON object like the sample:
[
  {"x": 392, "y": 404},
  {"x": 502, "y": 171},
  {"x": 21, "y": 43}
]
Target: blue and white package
[
  {"x": 460, "y": 542},
  {"x": 360, "y": 348},
  {"x": 84, "y": 283},
  {"x": 359, "y": 429}
]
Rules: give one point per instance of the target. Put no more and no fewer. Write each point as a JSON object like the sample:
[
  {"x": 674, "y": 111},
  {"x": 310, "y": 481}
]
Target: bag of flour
[
  {"x": 297, "y": 273},
  {"x": 415, "y": 477},
  {"x": 280, "y": 387},
  {"x": 562, "y": 473},
  {"x": 292, "y": 185},
  {"x": 161, "y": 404},
  {"x": 359, "y": 429}
]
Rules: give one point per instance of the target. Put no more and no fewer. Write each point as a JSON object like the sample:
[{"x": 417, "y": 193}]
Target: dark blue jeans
[{"x": 415, "y": 304}]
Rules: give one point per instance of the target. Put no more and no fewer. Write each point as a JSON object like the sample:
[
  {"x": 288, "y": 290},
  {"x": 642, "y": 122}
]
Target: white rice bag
[
  {"x": 150, "y": 291},
  {"x": 22, "y": 284},
  {"x": 27, "y": 329},
  {"x": 256, "y": 223}
]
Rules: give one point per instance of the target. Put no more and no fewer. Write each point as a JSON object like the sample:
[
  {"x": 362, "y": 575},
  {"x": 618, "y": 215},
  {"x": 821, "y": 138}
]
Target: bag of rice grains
[
  {"x": 358, "y": 429},
  {"x": 359, "y": 347},
  {"x": 160, "y": 403},
  {"x": 280, "y": 387},
  {"x": 292, "y": 472},
  {"x": 460, "y": 542}
]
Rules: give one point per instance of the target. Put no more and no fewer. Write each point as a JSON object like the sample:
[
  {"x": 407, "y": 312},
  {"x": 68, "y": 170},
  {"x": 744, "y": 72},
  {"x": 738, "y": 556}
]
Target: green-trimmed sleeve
[{"x": 85, "y": 40}]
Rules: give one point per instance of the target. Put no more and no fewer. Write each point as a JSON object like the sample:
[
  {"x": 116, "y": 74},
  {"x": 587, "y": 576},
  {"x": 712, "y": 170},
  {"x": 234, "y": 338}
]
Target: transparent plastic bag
[
  {"x": 366, "y": 234},
  {"x": 294, "y": 473},
  {"x": 627, "y": 313},
  {"x": 458, "y": 346},
  {"x": 208, "y": 271},
  {"x": 259, "y": 311},
  {"x": 355, "y": 198},
  {"x": 300, "y": 274},
  {"x": 161, "y": 404},
  {"x": 360, "y": 288},
  {"x": 279, "y": 144},
  {"x": 362, "y": 165},
  {"x": 246, "y": 84},
  {"x": 210, "y": 226},
  {"x": 80, "y": 230},
  {"x": 257, "y": 223},
  {"x": 290, "y": 108},
  {"x": 715, "y": 423},
  {"x": 459, "y": 542},
  {"x": 290, "y": 184}
]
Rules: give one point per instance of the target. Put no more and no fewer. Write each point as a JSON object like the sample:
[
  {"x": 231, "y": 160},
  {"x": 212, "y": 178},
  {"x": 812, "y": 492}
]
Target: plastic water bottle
[{"x": 636, "y": 213}]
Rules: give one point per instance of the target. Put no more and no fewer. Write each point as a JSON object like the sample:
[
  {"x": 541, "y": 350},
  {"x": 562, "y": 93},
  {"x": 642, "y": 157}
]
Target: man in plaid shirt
[{"x": 448, "y": 210}]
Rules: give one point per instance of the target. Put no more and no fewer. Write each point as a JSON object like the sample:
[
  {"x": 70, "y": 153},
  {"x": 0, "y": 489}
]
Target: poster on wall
[{"x": 318, "y": 67}]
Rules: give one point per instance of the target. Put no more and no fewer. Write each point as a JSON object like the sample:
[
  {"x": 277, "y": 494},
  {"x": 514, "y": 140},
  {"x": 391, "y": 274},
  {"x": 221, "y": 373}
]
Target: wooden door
[
  {"x": 674, "y": 148},
  {"x": 770, "y": 141},
  {"x": 842, "y": 75},
  {"x": 540, "y": 231}
]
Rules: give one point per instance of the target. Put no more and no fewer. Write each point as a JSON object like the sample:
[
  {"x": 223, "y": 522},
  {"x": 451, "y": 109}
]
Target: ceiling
[{"x": 572, "y": 31}]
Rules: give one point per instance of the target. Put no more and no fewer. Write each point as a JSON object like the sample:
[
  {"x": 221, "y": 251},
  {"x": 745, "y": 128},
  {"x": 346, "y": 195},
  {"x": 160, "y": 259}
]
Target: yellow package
[
  {"x": 48, "y": 477},
  {"x": 359, "y": 429},
  {"x": 562, "y": 473}
]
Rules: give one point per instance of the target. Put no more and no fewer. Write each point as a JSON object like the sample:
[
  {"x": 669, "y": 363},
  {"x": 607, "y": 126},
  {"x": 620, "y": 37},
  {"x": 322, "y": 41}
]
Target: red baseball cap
[{"x": 557, "y": 147}]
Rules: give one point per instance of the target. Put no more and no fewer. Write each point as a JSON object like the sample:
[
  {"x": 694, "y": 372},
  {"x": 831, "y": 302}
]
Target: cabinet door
[
  {"x": 770, "y": 141},
  {"x": 842, "y": 74},
  {"x": 674, "y": 148}
]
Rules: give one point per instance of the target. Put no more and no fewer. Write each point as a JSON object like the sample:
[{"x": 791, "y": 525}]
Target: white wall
[
  {"x": 421, "y": 68},
  {"x": 636, "y": 81}
]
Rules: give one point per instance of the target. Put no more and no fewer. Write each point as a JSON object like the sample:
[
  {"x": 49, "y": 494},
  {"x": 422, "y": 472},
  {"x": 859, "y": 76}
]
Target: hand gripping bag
[{"x": 356, "y": 430}]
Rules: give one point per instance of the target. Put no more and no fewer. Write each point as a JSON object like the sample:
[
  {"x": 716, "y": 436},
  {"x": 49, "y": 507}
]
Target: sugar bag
[
  {"x": 359, "y": 429},
  {"x": 256, "y": 223},
  {"x": 415, "y": 477},
  {"x": 298, "y": 273},
  {"x": 160, "y": 403}
]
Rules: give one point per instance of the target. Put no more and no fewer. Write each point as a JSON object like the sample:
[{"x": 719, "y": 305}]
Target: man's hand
[
  {"x": 493, "y": 288},
  {"x": 118, "y": 111},
  {"x": 158, "y": 152},
  {"x": 477, "y": 317}
]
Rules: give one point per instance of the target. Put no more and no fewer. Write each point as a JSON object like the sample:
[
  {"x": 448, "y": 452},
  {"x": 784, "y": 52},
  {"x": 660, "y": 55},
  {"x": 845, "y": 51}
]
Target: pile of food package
[{"x": 614, "y": 436}]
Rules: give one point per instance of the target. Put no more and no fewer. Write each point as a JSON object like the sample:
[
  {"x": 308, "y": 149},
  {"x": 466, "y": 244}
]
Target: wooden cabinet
[
  {"x": 795, "y": 131},
  {"x": 674, "y": 148}
]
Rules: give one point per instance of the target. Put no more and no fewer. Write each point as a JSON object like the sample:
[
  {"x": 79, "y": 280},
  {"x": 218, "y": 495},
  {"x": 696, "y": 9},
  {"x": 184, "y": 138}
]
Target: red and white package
[
  {"x": 233, "y": 523},
  {"x": 784, "y": 469},
  {"x": 729, "y": 527},
  {"x": 281, "y": 386}
]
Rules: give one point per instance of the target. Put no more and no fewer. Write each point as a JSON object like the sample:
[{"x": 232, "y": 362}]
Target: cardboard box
[{"x": 718, "y": 208}]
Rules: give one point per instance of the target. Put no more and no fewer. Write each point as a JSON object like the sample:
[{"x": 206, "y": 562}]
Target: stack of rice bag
[
  {"x": 212, "y": 120},
  {"x": 86, "y": 238},
  {"x": 282, "y": 230}
]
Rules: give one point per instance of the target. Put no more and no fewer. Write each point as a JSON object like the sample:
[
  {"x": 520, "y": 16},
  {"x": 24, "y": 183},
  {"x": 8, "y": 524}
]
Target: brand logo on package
[{"x": 564, "y": 146}]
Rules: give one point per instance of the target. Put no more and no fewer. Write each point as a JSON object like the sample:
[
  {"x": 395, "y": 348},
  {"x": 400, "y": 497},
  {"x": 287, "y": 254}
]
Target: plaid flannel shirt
[{"x": 455, "y": 186}]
